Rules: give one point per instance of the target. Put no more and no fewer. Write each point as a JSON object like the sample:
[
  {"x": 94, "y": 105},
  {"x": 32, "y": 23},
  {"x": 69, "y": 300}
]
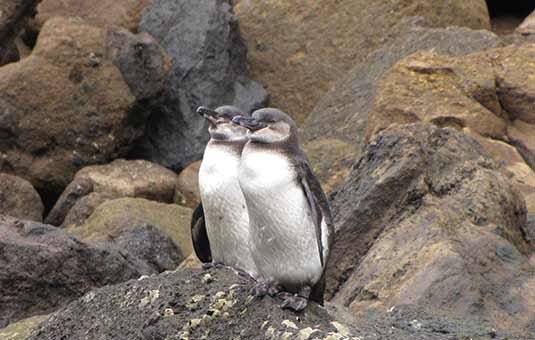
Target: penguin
[
  {"x": 220, "y": 224},
  {"x": 289, "y": 216}
]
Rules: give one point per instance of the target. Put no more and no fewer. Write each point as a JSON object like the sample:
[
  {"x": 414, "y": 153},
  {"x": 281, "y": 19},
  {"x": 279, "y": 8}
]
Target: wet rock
[
  {"x": 115, "y": 216},
  {"x": 299, "y": 50},
  {"x": 46, "y": 140},
  {"x": 94, "y": 185},
  {"x": 187, "y": 186},
  {"x": 182, "y": 306},
  {"x": 209, "y": 68},
  {"x": 123, "y": 13},
  {"x": 426, "y": 218},
  {"x": 19, "y": 199},
  {"x": 44, "y": 268},
  {"x": 341, "y": 116}
]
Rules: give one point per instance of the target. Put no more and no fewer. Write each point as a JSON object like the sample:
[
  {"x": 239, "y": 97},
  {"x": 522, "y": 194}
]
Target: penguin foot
[
  {"x": 207, "y": 265},
  {"x": 264, "y": 288},
  {"x": 294, "y": 303}
]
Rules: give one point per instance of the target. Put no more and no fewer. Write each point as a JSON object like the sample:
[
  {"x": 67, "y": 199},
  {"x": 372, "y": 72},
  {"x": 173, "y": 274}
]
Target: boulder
[
  {"x": 115, "y": 216},
  {"x": 209, "y": 68},
  {"x": 22, "y": 329},
  {"x": 187, "y": 186},
  {"x": 300, "y": 49},
  {"x": 46, "y": 140},
  {"x": 44, "y": 268},
  {"x": 488, "y": 93},
  {"x": 216, "y": 304},
  {"x": 102, "y": 13},
  {"x": 426, "y": 218},
  {"x": 341, "y": 116},
  {"x": 121, "y": 178},
  {"x": 13, "y": 16},
  {"x": 19, "y": 199},
  {"x": 527, "y": 27}
]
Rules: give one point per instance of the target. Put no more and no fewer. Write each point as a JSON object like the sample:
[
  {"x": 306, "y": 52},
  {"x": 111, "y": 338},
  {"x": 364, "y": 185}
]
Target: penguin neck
[{"x": 229, "y": 146}]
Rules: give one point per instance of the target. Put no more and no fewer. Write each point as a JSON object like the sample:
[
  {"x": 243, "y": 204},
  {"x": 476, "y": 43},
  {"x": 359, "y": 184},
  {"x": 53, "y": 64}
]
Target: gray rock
[
  {"x": 216, "y": 305},
  {"x": 19, "y": 199},
  {"x": 209, "y": 68}
]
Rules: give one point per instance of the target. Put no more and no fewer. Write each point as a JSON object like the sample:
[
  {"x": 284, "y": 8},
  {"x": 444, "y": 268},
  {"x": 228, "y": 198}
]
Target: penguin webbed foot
[
  {"x": 295, "y": 302},
  {"x": 264, "y": 288}
]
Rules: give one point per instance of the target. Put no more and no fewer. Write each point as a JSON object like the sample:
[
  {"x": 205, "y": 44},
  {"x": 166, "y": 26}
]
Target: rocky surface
[
  {"x": 95, "y": 184},
  {"x": 341, "y": 116},
  {"x": 22, "y": 329},
  {"x": 19, "y": 199},
  {"x": 94, "y": 115},
  {"x": 44, "y": 268},
  {"x": 216, "y": 304},
  {"x": 528, "y": 25},
  {"x": 300, "y": 49},
  {"x": 124, "y": 13},
  {"x": 487, "y": 93},
  {"x": 209, "y": 68},
  {"x": 13, "y": 16},
  {"x": 425, "y": 218},
  {"x": 187, "y": 186},
  {"x": 115, "y": 216}
]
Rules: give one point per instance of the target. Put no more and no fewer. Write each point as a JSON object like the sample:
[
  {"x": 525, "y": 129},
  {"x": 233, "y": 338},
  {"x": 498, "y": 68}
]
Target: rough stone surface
[
  {"x": 216, "y": 304},
  {"x": 124, "y": 13},
  {"x": 527, "y": 27},
  {"x": 13, "y": 14},
  {"x": 46, "y": 140},
  {"x": 299, "y": 49},
  {"x": 19, "y": 199},
  {"x": 490, "y": 93},
  {"x": 22, "y": 329},
  {"x": 121, "y": 178},
  {"x": 44, "y": 268},
  {"x": 209, "y": 68},
  {"x": 113, "y": 217},
  {"x": 341, "y": 116},
  {"x": 426, "y": 218},
  {"x": 187, "y": 186}
]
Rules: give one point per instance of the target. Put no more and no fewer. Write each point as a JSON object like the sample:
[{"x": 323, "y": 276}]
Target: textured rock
[
  {"x": 124, "y": 13},
  {"x": 489, "y": 93},
  {"x": 22, "y": 329},
  {"x": 121, "y": 178},
  {"x": 425, "y": 218},
  {"x": 187, "y": 186},
  {"x": 19, "y": 199},
  {"x": 13, "y": 14},
  {"x": 528, "y": 25},
  {"x": 299, "y": 49},
  {"x": 46, "y": 140},
  {"x": 341, "y": 116},
  {"x": 44, "y": 268},
  {"x": 209, "y": 68},
  {"x": 216, "y": 305},
  {"x": 113, "y": 217}
]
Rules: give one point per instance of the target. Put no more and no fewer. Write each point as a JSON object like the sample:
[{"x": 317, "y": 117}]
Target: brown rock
[
  {"x": 19, "y": 199},
  {"x": 528, "y": 25},
  {"x": 124, "y": 13},
  {"x": 115, "y": 216},
  {"x": 299, "y": 49},
  {"x": 426, "y": 218},
  {"x": 13, "y": 16},
  {"x": 187, "y": 186},
  {"x": 46, "y": 140}
]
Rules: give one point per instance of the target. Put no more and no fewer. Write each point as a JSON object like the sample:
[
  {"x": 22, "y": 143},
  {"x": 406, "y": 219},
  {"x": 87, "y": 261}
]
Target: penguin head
[
  {"x": 220, "y": 123},
  {"x": 268, "y": 126}
]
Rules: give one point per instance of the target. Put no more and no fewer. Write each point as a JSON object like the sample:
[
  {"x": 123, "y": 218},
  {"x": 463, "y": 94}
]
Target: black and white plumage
[
  {"x": 289, "y": 215},
  {"x": 220, "y": 225}
]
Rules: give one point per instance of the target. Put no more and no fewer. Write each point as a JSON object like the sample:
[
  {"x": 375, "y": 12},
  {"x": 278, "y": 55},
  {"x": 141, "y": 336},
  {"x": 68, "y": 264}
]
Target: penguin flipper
[{"x": 199, "y": 237}]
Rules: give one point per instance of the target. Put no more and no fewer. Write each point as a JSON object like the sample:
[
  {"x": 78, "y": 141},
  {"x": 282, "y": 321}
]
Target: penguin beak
[
  {"x": 210, "y": 115},
  {"x": 248, "y": 122}
]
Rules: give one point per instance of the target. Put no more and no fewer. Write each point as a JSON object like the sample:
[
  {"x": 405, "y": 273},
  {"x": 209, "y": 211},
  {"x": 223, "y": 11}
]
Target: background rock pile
[{"x": 417, "y": 117}]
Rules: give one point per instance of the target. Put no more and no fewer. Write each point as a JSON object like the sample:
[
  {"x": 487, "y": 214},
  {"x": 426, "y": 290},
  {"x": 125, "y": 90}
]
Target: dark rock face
[
  {"x": 342, "y": 114},
  {"x": 19, "y": 199},
  {"x": 209, "y": 68},
  {"x": 216, "y": 304},
  {"x": 43, "y": 268},
  {"x": 426, "y": 218},
  {"x": 13, "y": 14}
]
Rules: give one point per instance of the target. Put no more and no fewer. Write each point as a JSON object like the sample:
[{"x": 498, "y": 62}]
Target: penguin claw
[
  {"x": 294, "y": 303},
  {"x": 262, "y": 289},
  {"x": 207, "y": 265}
]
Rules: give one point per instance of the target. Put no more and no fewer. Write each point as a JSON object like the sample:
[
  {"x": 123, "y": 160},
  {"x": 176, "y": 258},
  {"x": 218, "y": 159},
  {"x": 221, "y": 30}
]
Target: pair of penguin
[{"x": 262, "y": 209}]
